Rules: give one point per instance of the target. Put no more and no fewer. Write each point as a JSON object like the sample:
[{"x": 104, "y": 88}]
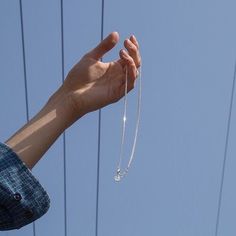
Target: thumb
[{"x": 106, "y": 45}]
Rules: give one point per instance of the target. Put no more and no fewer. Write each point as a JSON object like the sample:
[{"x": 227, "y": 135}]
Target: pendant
[{"x": 118, "y": 176}]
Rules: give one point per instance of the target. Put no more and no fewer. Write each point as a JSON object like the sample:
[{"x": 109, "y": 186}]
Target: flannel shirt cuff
[{"x": 22, "y": 198}]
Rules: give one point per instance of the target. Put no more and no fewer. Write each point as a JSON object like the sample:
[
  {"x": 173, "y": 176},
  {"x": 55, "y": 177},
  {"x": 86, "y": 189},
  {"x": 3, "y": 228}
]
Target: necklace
[{"x": 120, "y": 174}]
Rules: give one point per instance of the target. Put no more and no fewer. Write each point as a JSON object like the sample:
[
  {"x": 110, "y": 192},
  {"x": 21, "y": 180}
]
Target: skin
[{"x": 90, "y": 85}]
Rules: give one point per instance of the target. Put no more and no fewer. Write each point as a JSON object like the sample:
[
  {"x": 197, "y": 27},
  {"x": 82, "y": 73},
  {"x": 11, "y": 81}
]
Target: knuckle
[
  {"x": 130, "y": 60},
  {"x": 133, "y": 49}
]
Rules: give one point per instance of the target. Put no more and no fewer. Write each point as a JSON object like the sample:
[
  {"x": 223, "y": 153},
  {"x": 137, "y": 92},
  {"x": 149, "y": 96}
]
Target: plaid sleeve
[{"x": 22, "y": 198}]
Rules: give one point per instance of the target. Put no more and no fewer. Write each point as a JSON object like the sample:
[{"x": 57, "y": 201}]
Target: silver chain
[{"x": 120, "y": 174}]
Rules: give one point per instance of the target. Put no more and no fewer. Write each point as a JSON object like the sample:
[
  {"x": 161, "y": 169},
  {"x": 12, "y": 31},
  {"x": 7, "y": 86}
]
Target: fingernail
[
  {"x": 129, "y": 43},
  {"x": 133, "y": 37},
  {"x": 124, "y": 52},
  {"x": 128, "y": 40}
]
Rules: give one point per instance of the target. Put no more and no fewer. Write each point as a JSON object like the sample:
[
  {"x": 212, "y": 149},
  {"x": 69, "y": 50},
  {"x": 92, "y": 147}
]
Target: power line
[
  {"x": 99, "y": 134},
  {"x": 25, "y": 74},
  {"x": 225, "y": 154},
  {"x": 24, "y": 62},
  {"x": 64, "y": 134}
]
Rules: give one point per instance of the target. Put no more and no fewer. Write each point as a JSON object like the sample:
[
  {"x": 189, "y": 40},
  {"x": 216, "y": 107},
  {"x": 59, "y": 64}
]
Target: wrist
[{"x": 63, "y": 103}]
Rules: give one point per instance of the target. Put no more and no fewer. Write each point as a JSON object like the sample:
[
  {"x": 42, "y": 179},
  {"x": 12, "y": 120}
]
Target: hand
[{"x": 92, "y": 84}]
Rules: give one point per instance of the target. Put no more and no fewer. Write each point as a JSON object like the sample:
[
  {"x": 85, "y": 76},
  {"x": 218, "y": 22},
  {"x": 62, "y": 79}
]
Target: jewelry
[{"x": 119, "y": 174}]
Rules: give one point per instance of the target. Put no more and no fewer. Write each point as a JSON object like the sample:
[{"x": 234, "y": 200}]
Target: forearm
[{"x": 35, "y": 138}]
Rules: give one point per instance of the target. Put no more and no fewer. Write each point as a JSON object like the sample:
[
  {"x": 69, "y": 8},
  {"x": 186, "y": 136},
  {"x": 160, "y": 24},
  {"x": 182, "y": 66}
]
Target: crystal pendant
[{"x": 117, "y": 178}]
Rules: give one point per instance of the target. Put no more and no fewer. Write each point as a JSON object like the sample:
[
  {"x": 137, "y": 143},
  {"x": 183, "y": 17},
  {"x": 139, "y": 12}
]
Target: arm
[
  {"x": 35, "y": 138},
  {"x": 90, "y": 85}
]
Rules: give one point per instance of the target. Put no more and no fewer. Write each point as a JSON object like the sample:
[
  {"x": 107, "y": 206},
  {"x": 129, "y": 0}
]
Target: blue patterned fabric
[{"x": 22, "y": 198}]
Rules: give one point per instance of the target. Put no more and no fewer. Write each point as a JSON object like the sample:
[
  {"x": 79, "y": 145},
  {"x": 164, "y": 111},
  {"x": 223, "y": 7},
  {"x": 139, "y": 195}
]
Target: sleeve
[{"x": 22, "y": 198}]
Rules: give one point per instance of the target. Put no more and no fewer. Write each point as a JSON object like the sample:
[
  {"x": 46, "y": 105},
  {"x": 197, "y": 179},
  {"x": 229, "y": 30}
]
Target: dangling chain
[{"x": 119, "y": 173}]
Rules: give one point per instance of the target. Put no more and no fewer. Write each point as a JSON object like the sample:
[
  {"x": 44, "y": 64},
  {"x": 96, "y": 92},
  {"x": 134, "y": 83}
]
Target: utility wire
[
  {"x": 24, "y": 62},
  {"x": 25, "y": 74},
  {"x": 64, "y": 134},
  {"x": 99, "y": 133},
  {"x": 225, "y": 153}
]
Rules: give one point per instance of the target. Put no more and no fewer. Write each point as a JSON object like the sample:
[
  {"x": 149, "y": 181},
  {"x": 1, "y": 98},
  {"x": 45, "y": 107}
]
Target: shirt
[{"x": 22, "y": 198}]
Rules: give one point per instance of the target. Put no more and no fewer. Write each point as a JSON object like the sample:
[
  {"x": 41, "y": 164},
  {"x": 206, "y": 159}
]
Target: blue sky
[{"x": 188, "y": 51}]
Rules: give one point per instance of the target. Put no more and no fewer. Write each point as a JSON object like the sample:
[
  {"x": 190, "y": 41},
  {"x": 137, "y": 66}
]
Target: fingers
[
  {"x": 127, "y": 60},
  {"x": 132, "y": 47},
  {"x": 104, "y": 46},
  {"x": 132, "y": 58}
]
